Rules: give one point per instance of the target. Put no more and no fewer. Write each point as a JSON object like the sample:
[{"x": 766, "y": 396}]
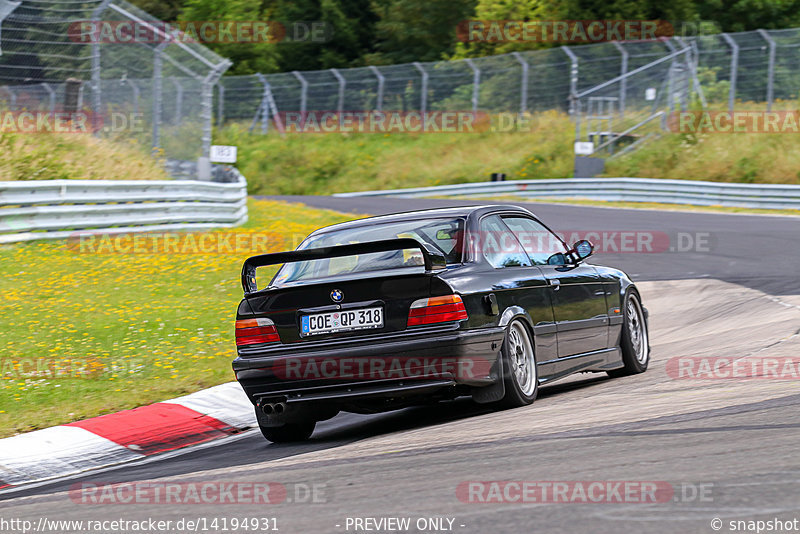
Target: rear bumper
[{"x": 407, "y": 364}]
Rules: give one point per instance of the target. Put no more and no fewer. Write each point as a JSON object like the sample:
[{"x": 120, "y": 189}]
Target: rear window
[{"x": 444, "y": 234}]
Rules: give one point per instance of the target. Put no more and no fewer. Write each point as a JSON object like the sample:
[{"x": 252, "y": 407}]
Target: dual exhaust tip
[{"x": 275, "y": 408}]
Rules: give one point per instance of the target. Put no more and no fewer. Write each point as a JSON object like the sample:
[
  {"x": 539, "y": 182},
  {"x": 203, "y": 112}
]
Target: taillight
[
  {"x": 252, "y": 331},
  {"x": 436, "y": 310}
]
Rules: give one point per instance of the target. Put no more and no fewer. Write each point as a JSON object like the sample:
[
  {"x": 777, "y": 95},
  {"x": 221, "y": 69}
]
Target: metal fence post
[
  {"x": 263, "y": 107},
  {"x": 51, "y": 95},
  {"x": 303, "y": 92},
  {"x": 623, "y": 82},
  {"x": 12, "y": 97},
  {"x": 136, "y": 93},
  {"x": 573, "y": 78},
  {"x": 220, "y": 103},
  {"x": 770, "y": 67},
  {"x": 178, "y": 101},
  {"x": 96, "y": 98},
  {"x": 157, "y": 91},
  {"x": 734, "y": 68},
  {"x": 423, "y": 101},
  {"x": 691, "y": 58},
  {"x": 342, "y": 84},
  {"x": 381, "y": 83},
  {"x": 476, "y": 84},
  {"x": 206, "y": 111},
  {"x": 670, "y": 76},
  {"x": 523, "y": 93}
]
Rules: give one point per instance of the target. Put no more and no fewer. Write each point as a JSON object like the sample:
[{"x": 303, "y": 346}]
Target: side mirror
[{"x": 580, "y": 251}]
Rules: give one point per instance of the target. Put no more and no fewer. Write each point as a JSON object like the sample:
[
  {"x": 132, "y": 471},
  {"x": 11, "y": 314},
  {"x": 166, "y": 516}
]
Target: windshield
[{"x": 444, "y": 234}]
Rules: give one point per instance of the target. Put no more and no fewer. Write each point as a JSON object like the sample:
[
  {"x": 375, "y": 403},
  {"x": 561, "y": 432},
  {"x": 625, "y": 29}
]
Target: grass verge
[
  {"x": 313, "y": 163},
  {"x": 308, "y": 164},
  {"x": 84, "y": 334},
  {"x": 76, "y": 157}
]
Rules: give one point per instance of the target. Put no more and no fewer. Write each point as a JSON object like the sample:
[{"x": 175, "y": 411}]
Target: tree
[
  {"x": 348, "y": 28},
  {"x": 166, "y": 10},
  {"x": 676, "y": 11},
  {"x": 417, "y": 30},
  {"x": 248, "y": 57},
  {"x": 745, "y": 15}
]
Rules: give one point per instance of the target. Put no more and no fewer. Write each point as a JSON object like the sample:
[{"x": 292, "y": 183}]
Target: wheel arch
[{"x": 515, "y": 312}]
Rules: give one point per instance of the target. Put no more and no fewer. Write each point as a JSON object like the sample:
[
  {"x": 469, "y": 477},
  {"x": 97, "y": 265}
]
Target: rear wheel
[
  {"x": 297, "y": 431},
  {"x": 635, "y": 341},
  {"x": 519, "y": 366}
]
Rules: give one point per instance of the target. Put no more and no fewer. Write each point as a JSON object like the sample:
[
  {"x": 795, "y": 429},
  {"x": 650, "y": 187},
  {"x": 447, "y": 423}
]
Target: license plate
[{"x": 341, "y": 321}]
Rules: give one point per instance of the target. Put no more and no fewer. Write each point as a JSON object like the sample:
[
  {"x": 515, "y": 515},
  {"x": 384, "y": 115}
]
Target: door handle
[{"x": 555, "y": 283}]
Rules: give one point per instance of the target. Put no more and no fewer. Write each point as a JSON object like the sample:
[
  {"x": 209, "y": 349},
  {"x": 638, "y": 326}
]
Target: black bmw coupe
[{"x": 386, "y": 312}]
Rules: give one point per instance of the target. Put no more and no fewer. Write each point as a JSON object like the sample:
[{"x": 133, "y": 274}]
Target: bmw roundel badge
[{"x": 337, "y": 295}]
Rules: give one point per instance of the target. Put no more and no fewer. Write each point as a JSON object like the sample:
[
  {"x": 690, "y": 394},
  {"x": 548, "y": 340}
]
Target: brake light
[
  {"x": 436, "y": 310},
  {"x": 252, "y": 331}
]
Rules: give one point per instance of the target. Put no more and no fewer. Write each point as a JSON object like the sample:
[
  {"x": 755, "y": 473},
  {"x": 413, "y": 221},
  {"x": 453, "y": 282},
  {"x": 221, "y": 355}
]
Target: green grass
[
  {"x": 328, "y": 163},
  {"x": 746, "y": 158},
  {"x": 124, "y": 329},
  {"x": 77, "y": 156},
  {"x": 315, "y": 163}
]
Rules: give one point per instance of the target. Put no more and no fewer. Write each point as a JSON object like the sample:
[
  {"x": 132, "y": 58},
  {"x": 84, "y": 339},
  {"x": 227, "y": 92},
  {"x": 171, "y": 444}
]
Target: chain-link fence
[
  {"x": 759, "y": 66},
  {"x": 132, "y": 74},
  {"x": 165, "y": 90}
]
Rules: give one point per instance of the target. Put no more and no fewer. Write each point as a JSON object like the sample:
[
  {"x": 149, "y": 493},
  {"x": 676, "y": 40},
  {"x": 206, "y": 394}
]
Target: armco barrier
[
  {"x": 765, "y": 196},
  {"x": 55, "y": 209}
]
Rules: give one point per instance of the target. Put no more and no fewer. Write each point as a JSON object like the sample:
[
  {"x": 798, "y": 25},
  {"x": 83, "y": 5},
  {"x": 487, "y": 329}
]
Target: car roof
[{"x": 457, "y": 211}]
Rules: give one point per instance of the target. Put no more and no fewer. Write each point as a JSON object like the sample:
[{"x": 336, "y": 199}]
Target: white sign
[
  {"x": 584, "y": 148},
  {"x": 223, "y": 154},
  {"x": 650, "y": 93}
]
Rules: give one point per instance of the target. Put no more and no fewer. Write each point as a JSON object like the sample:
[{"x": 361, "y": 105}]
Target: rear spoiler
[{"x": 434, "y": 259}]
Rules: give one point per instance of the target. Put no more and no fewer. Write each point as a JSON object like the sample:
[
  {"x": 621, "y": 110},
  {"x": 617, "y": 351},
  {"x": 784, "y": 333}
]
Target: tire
[
  {"x": 635, "y": 339},
  {"x": 520, "y": 375},
  {"x": 289, "y": 432}
]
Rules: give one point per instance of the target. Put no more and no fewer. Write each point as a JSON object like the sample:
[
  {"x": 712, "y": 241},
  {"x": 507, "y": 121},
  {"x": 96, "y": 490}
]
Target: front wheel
[
  {"x": 519, "y": 367},
  {"x": 289, "y": 432},
  {"x": 635, "y": 342}
]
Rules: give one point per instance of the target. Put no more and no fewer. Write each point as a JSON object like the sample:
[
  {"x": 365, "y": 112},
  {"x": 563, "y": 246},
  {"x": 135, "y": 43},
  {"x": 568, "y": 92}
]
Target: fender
[{"x": 514, "y": 311}]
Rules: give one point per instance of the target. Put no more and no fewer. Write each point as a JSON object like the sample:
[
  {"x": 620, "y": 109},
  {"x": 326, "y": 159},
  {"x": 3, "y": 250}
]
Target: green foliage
[
  {"x": 311, "y": 163},
  {"x": 745, "y": 15},
  {"x": 550, "y": 10},
  {"x": 247, "y": 57},
  {"x": 348, "y": 24},
  {"x": 384, "y": 32},
  {"x": 714, "y": 90},
  {"x": 417, "y": 30}
]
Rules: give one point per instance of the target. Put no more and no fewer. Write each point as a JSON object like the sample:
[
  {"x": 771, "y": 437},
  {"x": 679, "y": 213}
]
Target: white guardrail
[
  {"x": 56, "y": 209},
  {"x": 765, "y": 196}
]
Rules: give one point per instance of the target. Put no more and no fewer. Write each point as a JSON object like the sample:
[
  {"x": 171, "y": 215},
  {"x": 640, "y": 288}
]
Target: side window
[
  {"x": 498, "y": 245},
  {"x": 539, "y": 242}
]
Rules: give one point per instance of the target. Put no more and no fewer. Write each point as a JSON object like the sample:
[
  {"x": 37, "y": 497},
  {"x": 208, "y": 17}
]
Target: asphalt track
[{"x": 728, "y": 448}]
